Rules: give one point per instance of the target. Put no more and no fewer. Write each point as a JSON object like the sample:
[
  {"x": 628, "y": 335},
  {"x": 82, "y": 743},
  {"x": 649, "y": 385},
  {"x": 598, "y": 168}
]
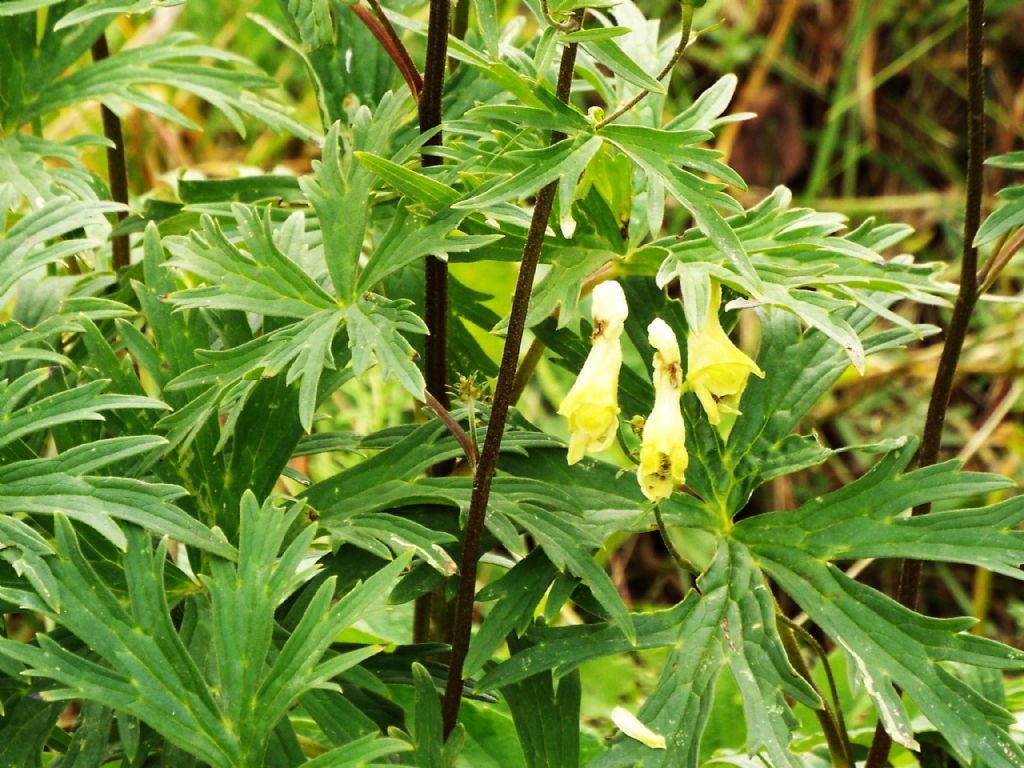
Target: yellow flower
[
  {"x": 663, "y": 456},
  {"x": 592, "y": 405},
  {"x": 716, "y": 368}
]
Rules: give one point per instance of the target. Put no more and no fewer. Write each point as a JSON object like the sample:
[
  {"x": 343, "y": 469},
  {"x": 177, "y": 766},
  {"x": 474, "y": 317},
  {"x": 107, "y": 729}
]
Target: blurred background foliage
[{"x": 860, "y": 108}]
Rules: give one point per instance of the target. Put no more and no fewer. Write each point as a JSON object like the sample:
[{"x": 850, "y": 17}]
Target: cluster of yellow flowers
[{"x": 717, "y": 371}]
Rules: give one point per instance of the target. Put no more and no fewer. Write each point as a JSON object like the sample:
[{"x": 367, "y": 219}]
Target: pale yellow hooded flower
[
  {"x": 663, "y": 456},
  {"x": 592, "y": 405},
  {"x": 717, "y": 369}
]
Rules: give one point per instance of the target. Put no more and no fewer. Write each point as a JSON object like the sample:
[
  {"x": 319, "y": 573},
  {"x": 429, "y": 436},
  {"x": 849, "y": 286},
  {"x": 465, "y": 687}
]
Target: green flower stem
[
  {"x": 681, "y": 562},
  {"x": 473, "y": 534},
  {"x": 834, "y": 713},
  {"x": 117, "y": 168},
  {"x": 931, "y": 442},
  {"x": 677, "y": 54}
]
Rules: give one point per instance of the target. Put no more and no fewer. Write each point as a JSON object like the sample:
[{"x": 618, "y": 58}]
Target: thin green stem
[
  {"x": 681, "y": 562},
  {"x": 473, "y": 534},
  {"x": 117, "y": 167},
  {"x": 677, "y": 54},
  {"x": 467, "y": 445},
  {"x": 995, "y": 264},
  {"x": 835, "y": 732},
  {"x": 931, "y": 441}
]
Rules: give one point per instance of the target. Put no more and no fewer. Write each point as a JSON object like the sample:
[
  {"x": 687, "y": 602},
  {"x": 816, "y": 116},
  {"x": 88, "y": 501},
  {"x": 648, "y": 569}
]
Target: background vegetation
[{"x": 860, "y": 109}]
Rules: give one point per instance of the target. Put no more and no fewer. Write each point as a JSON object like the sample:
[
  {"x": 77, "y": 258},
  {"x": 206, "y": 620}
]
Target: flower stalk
[{"x": 463, "y": 622}]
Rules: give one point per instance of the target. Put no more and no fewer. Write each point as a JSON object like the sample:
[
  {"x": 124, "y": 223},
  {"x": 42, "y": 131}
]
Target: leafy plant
[{"x": 204, "y": 553}]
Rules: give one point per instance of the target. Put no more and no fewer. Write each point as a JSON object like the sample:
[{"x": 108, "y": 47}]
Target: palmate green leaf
[
  {"x": 226, "y": 714},
  {"x": 107, "y": 8},
  {"x": 375, "y": 327},
  {"x": 808, "y": 269},
  {"x": 260, "y": 279},
  {"x": 24, "y": 248},
  {"x": 538, "y": 168},
  {"x": 890, "y": 645},
  {"x": 361, "y": 753},
  {"x": 546, "y": 719},
  {"x": 731, "y": 624},
  {"x": 171, "y": 62},
  {"x": 341, "y": 183},
  {"x": 154, "y": 677},
  {"x": 865, "y": 518},
  {"x": 607, "y": 52},
  {"x": 26, "y": 175},
  {"x": 408, "y": 239},
  {"x": 64, "y": 485},
  {"x": 700, "y": 198},
  {"x": 254, "y": 697},
  {"x": 301, "y": 350}
]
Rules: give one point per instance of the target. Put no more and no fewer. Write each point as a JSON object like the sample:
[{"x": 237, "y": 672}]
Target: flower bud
[
  {"x": 592, "y": 405},
  {"x": 663, "y": 456},
  {"x": 717, "y": 369}
]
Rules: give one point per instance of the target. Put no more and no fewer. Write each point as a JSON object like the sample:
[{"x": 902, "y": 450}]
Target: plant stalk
[
  {"x": 835, "y": 734},
  {"x": 967, "y": 297},
  {"x": 435, "y": 282},
  {"x": 117, "y": 168},
  {"x": 463, "y": 621},
  {"x": 677, "y": 54},
  {"x": 381, "y": 28}
]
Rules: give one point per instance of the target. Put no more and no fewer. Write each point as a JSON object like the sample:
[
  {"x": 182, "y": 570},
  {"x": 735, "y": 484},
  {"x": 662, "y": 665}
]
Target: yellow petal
[
  {"x": 627, "y": 722},
  {"x": 717, "y": 369},
  {"x": 663, "y": 456}
]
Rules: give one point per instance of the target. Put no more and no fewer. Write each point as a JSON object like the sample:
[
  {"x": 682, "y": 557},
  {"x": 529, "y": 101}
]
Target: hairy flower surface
[
  {"x": 592, "y": 405},
  {"x": 717, "y": 369},
  {"x": 663, "y": 456}
]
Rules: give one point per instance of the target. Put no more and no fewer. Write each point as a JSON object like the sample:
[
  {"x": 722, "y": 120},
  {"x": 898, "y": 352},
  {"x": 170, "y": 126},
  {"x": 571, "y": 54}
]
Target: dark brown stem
[
  {"x": 473, "y": 534},
  {"x": 381, "y": 28},
  {"x": 931, "y": 441},
  {"x": 435, "y": 281},
  {"x": 117, "y": 169},
  {"x": 436, "y": 287}
]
